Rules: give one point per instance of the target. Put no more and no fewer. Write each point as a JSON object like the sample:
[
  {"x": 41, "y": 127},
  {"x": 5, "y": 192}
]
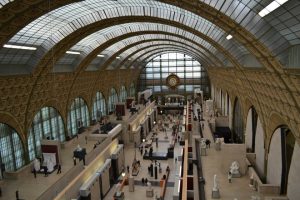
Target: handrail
[
  {"x": 185, "y": 171},
  {"x": 136, "y": 122}
]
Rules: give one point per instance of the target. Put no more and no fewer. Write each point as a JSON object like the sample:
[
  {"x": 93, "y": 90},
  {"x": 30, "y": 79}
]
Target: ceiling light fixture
[
  {"x": 73, "y": 52},
  {"x": 11, "y": 46},
  {"x": 229, "y": 37},
  {"x": 100, "y": 55},
  {"x": 118, "y": 57},
  {"x": 271, "y": 7}
]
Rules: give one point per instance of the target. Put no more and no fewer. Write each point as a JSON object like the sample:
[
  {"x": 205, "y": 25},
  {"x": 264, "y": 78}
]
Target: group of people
[{"x": 45, "y": 170}]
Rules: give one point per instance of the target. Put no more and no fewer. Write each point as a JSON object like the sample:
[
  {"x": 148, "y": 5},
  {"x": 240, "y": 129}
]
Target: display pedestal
[
  {"x": 119, "y": 196},
  {"x": 203, "y": 151},
  {"x": 131, "y": 184},
  {"x": 218, "y": 146},
  {"x": 149, "y": 192},
  {"x": 237, "y": 175},
  {"x": 120, "y": 109},
  {"x": 215, "y": 194}
]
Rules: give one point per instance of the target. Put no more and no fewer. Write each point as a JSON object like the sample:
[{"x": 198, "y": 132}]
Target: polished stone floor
[{"x": 30, "y": 188}]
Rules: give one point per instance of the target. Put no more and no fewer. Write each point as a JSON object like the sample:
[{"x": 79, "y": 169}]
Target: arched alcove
[
  {"x": 78, "y": 116},
  {"x": 11, "y": 148},
  {"x": 99, "y": 106},
  {"x": 112, "y": 100},
  {"x": 238, "y": 123},
  {"x": 123, "y": 94},
  {"x": 47, "y": 124},
  {"x": 250, "y": 132},
  {"x": 132, "y": 90},
  {"x": 281, "y": 157}
]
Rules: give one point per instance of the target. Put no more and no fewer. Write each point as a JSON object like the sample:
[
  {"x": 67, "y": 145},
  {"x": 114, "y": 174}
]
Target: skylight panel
[
  {"x": 10, "y": 46},
  {"x": 73, "y": 52},
  {"x": 229, "y": 37},
  {"x": 271, "y": 7}
]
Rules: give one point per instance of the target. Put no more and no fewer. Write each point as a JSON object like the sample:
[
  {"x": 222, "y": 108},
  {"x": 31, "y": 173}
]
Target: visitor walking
[
  {"x": 58, "y": 168},
  {"x": 229, "y": 177}
]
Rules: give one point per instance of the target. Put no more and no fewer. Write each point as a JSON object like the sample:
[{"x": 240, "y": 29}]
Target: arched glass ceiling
[
  {"x": 96, "y": 39},
  {"x": 61, "y": 22},
  {"x": 56, "y": 25},
  {"x": 146, "y": 46},
  {"x": 141, "y": 49},
  {"x": 125, "y": 43},
  {"x": 138, "y": 60},
  {"x": 285, "y": 20},
  {"x": 134, "y": 52},
  {"x": 133, "y": 41},
  {"x": 100, "y": 37}
]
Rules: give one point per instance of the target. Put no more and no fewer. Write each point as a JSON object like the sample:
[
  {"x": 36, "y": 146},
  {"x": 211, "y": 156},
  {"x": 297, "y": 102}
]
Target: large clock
[{"x": 173, "y": 81}]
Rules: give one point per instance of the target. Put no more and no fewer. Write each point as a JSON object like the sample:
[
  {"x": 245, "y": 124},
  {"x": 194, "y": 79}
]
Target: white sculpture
[
  {"x": 149, "y": 185},
  {"x": 78, "y": 148},
  {"x": 36, "y": 165},
  {"x": 118, "y": 189},
  {"x": 203, "y": 145},
  {"x": 234, "y": 169},
  {"x": 216, "y": 186},
  {"x": 50, "y": 165}
]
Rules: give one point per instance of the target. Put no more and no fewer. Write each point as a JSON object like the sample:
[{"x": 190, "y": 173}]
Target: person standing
[
  {"x": 58, "y": 168},
  {"x": 229, "y": 177},
  {"x": 17, "y": 195},
  {"x": 74, "y": 161},
  {"x": 34, "y": 172},
  {"x": 141, "y": 150},
  {"x": 46, "y": 171}
]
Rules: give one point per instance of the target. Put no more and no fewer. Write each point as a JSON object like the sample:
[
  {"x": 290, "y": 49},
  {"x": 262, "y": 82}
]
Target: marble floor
[{"x": 30, "y": 188}]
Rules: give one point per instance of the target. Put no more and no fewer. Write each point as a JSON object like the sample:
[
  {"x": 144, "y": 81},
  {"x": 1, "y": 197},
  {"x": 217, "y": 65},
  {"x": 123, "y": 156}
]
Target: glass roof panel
[
  {"x": 4, "y": 2},
  {"x": 56, "y": 25}
]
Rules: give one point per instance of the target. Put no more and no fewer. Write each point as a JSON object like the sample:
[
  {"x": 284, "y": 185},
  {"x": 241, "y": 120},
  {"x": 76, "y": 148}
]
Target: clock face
[{"x": 173, "y": 81}]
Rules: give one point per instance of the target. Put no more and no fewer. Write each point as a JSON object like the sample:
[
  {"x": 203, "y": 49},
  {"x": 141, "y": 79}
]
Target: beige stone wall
[
  {"x": 21, "y": 97},
  {"x": 276, "y": 97}
]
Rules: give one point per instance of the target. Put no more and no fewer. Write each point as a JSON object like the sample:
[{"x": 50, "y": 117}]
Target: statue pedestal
[
  {"x": 251, "y": 182},
  {"x": 218, "y": 146},
  {"x": 149, "y": 192},
  {"x": 131, "y": 184},
  {"x": 236, "y": 175},
  {"x": 215, "y": 194},
  {"x": 203, "y": 151}
]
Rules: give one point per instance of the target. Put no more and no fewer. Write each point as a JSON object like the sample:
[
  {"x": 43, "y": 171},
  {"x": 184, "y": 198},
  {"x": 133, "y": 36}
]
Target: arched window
[
  {"x": 123, "y": 94},
  {"x": 47, "y": 123},
  {"x": 11, "y": 148},
  {"x": 113, "y": 98},
  {"x": 78, "y": 116},
  {"x": 99, "y": 106},
  {"x": 132, "y": 90},
  {"x": 190, "y": 74},
  {"x": 238, "y": 123}
]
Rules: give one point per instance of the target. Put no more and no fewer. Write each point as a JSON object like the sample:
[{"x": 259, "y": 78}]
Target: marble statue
[
  {"x": 202, "y": 144},
  {"x": 215, "y": 186},
  {"x": 50, "y": 165},
  {"x": 78, "y": 148},
  {"x": 149, "y": 184},
  {"x": 36, "y": 165},
  {"x": 235, "y": 169},
  {"x": 118, "y": 189}
]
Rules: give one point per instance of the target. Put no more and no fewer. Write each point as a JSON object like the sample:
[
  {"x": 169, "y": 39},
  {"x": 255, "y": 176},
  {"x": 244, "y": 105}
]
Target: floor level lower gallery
[
  {"x": 117, "y": 162},
  {"x": 154, "y": 99}
]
